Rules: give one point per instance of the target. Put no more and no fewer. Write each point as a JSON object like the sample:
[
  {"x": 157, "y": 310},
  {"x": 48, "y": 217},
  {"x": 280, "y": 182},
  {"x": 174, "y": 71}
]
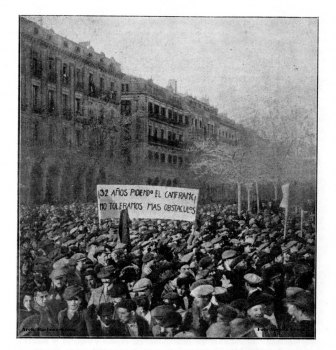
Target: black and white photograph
[{"x": 167, "y": 177}]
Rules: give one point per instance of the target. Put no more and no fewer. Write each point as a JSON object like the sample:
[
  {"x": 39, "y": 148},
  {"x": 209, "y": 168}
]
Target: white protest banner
[{"x": 147, "y": 202}]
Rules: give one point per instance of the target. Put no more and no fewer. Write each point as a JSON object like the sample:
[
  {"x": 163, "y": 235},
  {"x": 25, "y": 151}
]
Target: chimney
[{"x": 172, "y": 85}]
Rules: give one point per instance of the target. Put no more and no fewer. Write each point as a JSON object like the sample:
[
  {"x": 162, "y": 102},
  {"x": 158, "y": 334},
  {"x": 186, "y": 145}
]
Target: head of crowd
[{"x": 222, "y": 276}]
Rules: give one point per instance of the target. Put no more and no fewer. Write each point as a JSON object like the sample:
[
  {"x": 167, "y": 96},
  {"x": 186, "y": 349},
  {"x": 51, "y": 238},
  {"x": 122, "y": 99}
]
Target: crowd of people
[{"x": 224, "y": 275}]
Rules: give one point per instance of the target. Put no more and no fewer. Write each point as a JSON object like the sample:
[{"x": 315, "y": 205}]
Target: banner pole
[{"x": 285, "y": 226}]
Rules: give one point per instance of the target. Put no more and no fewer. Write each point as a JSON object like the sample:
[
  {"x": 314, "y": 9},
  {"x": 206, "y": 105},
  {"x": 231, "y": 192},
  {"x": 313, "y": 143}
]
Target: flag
[
  {"x": 124, "y": 223},
  {"x": 285, "y": 195}
]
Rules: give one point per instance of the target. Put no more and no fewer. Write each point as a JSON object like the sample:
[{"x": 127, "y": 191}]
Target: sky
[{"x": 240, "y": 64}]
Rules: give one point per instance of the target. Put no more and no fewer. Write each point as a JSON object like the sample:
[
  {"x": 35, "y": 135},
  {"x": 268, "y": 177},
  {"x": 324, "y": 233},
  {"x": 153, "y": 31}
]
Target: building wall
[
  {"x": 70, "y": 105},
  {"x": 84, "y": 122}
]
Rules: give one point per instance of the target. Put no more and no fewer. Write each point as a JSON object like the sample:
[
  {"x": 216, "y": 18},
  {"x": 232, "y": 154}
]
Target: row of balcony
[
  {"x": 164, "y": 142},
  {"x": 162, "y": 118}
]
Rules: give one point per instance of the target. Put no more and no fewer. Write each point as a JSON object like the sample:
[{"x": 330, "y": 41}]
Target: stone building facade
[
  {"x": 70, "y": 105},
  {"x": 84, "y": 122}
]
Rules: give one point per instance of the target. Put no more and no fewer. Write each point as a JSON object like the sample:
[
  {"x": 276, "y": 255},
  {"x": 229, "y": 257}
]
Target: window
[
  {"x": 79, "y": 137},
  {"x": 156, "y": 156},
  {"x": 200, "y": 123},
  {"x": 51, "y": 64},
  {"x": 101, "y": 84},
  {"x": 180, "y": 162},
  {"x": 156, "y": 109},
  {"x": 36, "y": 65},
  {"x": 156, "y": 133},
  {"x": 90, "y": 78},
  {"x": 65, "y": 73},
  {"x": 186, "y": 118},
  {"x": 174, "y": 160},
  {"x": 65, "y": 69},
  {"x": 169, "y": 182},
  {"x": 180, "y": 138},
  {"x": 35, "y": 131},
  {"x": 175, "y": 116},
  {"x": 169, "y": 159},
  {"x": 51, "y": 134},
  {"x": 162, "y": 157},
  {"x": 163, "y": 111},
  {"x": 125, "y": 108},
  {"x": 112, "y": 86},
  {"x": 124, "y": 87},
  {"x": 169, "y": 135},
  {"x": 51, "y": 100},
  {"x": 180, "y": 118},
  {"x": 170, "y": 113},
  {"x": 78, "y": 105},
  {"x": 162, "y": 134},
  {"x": 196, "y": 123},
  {"x": 78, "y": 75},
  {"x": 35, "y": 96},
  {"x": 65, "y": 101},
  {"x": 149, "y": 131},
  {"x": 150, "y": 155},
  {"x": 174, "y": 136},
  {"x": 150, "y": 107}
]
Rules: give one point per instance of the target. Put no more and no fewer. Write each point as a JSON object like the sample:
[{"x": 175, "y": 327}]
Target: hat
[
  {"x": 72, "y": 291},
  {"x": 302, "y": 300},
  {"x": 248, "y": 241},
  {"x": 120, "y": 246},
  {"x": 78, "y": 256},
  {"x": 171, "y": 296},
  {"x": 187, "y": 258},
  {"x": 202, "y": 291},
  {"x": 57, "y": 273},
  {"x": 228, "y": 254},
  {"x": 118, "y": 290},
  {"x": 219, "y": 290},
  {"x": 276, "y": 251},
  {"x": 228, "y": 312},
  {"x": 259, "y": 299},
  {"x": 218, "y": 330},
  {"x": 161, "y": 310},
  {"x": 252, "y": 278},
  {"x": 98, "y": 251},
  {"x": 205, "y": 262},
  {"x": 142, "y": 285},
  {"x": 72, "y": 262},
  {"x": 240, "y": 327},
  {"x": 147, "y": 258},
  {"x": 291, "y": 291},
  {"x": 171, "y": 319},
  {"x": 106, "y": 272}
]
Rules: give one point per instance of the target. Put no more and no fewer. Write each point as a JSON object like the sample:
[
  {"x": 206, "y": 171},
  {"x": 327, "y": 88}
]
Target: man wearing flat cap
[
  {"x": 144, "y": 287},
  {"x": 202, "y": 313},
  {"x": 74, "y": 321},
  {"x": 252, "y": 284},
  {"x": 102, "y": 294},
  {"x": 58, "y": 285}
]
